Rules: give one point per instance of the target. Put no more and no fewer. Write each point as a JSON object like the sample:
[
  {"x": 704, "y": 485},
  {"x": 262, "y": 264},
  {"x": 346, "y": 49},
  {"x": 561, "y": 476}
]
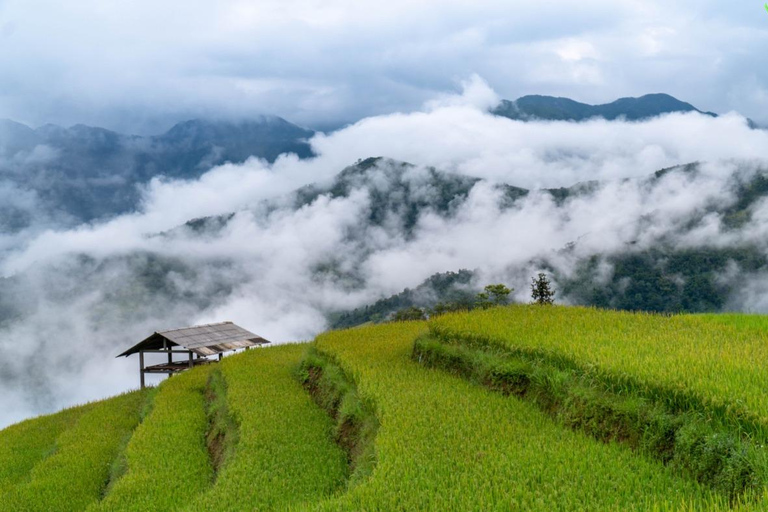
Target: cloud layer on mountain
[{"x": 80, "y": 296}]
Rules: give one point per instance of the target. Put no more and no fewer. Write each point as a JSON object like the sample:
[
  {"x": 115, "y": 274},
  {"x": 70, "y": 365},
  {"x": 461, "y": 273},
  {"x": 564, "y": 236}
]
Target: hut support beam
[{"x": 141, "y": 368}]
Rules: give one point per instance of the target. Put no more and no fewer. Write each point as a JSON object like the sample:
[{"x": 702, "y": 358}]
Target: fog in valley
[{"x": 72, "y": 298}]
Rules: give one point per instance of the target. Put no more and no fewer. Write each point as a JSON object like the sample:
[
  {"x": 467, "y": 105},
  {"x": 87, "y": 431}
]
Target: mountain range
[
  {"x": 82, "y": 173},
  {"x": 661, "y": 274},
  {"x": 88, "y": 173},
  {"x": 550, "y": 108}
]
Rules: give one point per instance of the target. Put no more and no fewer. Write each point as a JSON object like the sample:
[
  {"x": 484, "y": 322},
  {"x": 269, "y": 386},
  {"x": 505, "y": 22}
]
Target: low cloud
[{"x": 82, "y": 295}]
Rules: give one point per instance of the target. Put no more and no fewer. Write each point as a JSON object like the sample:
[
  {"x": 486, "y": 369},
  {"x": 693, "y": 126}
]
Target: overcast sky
[{"x": 139, "y": 66}]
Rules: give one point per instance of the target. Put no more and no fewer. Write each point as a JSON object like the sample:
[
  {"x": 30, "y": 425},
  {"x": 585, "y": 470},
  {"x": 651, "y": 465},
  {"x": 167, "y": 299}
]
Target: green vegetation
[
  {"x": 685, "y": 389},
  {"x": 408, "y": 314},
  {"x": 689, "y": 441},
  {"x": 451, "y": 288},
  {"x": 492, "y": 295},
  {"x": 449, "y": 291},
  {"x": 541, "y": 291},
  {"x": 757, "y": 325},
  {"x": 284, "y": 455},
  {"x": 504, "y": 408},
  {"x": 681, "y": 360},
  {"x": 25, "y": 444},
  {"x": 75, "y": 474},
  {"x": 168, "y": 462},
  {"x": 223, "y": 435},
  {"x": 445, "y": 444},
  {"x": 356, "y": 423},
  {"x": 120, "y": 464},
  {"x": 662, "y": 279}
]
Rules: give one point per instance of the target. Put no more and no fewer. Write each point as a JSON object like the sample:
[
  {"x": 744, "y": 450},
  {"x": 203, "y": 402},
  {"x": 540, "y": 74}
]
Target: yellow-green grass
[
  {"x": 443, "y": 442},
  {"x": 689, "y": 442},
  {"x": 25, "y": 444},
  {"x": 446, "y": 444},
  {"x": 167, "y": 458},
  {"x": 754, "y": 322},
  {"x": 679, "y": 358},
  {"x": 74, "y": 476},
  {"x": 285, "y": 454}
]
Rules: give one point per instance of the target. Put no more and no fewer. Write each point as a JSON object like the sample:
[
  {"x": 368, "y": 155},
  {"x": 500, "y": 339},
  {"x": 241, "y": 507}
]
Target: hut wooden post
[
  {"x": 191, "y": 361},
  {"x": 141, "y": 368}
]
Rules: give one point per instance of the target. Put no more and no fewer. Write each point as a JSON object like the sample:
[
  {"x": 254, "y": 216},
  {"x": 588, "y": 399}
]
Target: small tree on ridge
[
  {"x": 541, "y": 290},
  {"x": 408, "y": 314},
  {"x": 493, "y": 295}
]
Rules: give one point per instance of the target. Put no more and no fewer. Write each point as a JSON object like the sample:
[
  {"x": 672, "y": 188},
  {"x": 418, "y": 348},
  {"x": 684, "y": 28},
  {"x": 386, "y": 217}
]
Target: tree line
[{"x": 492, "y": 295}]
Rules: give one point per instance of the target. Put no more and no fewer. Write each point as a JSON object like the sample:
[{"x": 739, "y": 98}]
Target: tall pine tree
[{"x": 541, "y": 290}]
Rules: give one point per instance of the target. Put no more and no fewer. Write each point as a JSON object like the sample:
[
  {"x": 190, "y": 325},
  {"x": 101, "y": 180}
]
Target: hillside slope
[{"x": 496, "y": 409}]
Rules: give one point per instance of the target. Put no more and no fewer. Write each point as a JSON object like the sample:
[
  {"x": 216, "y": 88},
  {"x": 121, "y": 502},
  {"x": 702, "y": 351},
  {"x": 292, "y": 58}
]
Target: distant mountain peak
[
  {"x": 551, "y": 108},
  {"x": 222, "y": 125},
  {"x": 8, "y": 123},
  {"x": 92, "y": 173}
]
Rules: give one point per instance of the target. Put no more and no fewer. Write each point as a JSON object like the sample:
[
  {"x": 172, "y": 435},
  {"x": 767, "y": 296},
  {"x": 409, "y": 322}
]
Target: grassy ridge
[
  {"x": 356, "y": 424},
  {"x": 75, "y": 475},
  {"x": 689, "y": 441},
  {"x": 284, "y": 455},
  {"x": 679, "y": 359},
  {"x": 445, "y": 444},
  {"x": 168, "y": 462},
  {"x": 25, "y": 444},
  {"x": 223, "y": 434}
]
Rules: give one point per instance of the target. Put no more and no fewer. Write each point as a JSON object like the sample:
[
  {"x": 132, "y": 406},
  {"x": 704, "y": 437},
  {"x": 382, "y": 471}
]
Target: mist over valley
[{"x": 288, "y": 232}]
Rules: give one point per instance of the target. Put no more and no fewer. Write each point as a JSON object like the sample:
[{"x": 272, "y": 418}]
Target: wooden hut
[{"x": 196, "y": 343}]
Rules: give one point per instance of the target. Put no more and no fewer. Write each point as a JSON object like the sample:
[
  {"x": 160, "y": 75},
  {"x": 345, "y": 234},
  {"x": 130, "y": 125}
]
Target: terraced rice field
[
  {"x": 284, "y": 455},
  {"x": 73, "y": 475},
  {"x": 245, "y": 434},
  {"x": 445, "y": 444},
  {"x": 680, "y": 357},
  {"x": 167, "y": 460},
  {"x": 25, "y": 444}
]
